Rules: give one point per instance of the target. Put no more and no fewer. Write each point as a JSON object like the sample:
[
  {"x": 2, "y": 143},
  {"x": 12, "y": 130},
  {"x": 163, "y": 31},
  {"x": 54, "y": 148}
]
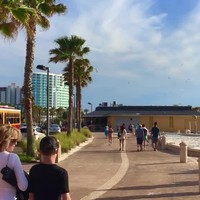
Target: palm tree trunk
[
  {"x": 78, "y": 107},
  {"x": 71, "y": 85},
  {"x": 30, "y": 46}
]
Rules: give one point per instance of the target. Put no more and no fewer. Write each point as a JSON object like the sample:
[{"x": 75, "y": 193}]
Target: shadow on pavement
[{"x": 152, "y": 196}]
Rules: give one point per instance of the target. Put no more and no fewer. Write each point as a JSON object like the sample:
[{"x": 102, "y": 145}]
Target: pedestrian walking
[
  {"x": 122, "y": 139},
  {"x": 146, "y": 132},
  {"x": 110, "y": 135},
  {"x": 106, "y": 131},
  {"x": 139, "y": 133},
  {"x": 155, "y": 133},
  {"x": 48, "y": 181},
  {"x": 8, "y": 139}
]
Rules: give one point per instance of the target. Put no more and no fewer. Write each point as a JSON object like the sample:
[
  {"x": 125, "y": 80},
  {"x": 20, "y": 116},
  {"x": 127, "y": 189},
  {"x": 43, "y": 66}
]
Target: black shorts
[
  {"x": 154, "y": 140},
  {"x": 139, "y": 140}
]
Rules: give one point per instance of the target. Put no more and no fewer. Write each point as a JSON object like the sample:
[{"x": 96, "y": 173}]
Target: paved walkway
[{"x": 100, "y": 171}]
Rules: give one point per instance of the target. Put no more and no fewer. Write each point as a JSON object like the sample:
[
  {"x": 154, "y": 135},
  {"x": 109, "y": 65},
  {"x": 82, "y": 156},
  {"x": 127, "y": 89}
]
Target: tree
[
  {"x": 37, "y": 114},
  {"x": 69, "y": 49},
  {"x": 59, "y": 114},
  {"x": 52, "y": 113},
  {"x": 82, "y": 75},
  {"x": 27, "y": 14},
  {"x": 44, "y": 10},
  {"x": 13, "y": 16}
]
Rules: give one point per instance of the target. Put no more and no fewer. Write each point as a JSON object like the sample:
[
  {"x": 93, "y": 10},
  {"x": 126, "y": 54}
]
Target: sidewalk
[{"x": 99, "y": 171}]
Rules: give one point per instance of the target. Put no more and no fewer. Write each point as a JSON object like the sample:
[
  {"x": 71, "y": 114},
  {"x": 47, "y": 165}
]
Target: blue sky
[{"x": 145, "y": 52}]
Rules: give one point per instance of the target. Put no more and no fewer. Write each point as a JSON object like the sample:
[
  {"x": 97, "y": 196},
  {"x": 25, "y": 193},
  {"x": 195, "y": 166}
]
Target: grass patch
[{"x": 67, "y": 142}]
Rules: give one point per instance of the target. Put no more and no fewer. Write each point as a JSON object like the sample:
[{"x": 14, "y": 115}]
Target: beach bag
[
  {"x": 9, "y": 177},
  {"x": 119, "y": 134}
]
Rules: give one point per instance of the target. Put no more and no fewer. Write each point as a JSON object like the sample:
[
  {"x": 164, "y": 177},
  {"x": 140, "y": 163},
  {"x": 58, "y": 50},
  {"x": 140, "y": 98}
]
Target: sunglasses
[{"x": 13, "y": 140}]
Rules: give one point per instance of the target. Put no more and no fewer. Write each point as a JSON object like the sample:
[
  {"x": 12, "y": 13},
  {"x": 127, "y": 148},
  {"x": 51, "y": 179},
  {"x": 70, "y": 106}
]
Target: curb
[{"x": 75, "y": 149}]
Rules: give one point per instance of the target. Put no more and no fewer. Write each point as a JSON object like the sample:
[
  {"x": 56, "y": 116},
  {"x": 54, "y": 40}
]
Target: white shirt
[
  {"x": 124, "y": 134},
  {"x": 7, "y": 191}
]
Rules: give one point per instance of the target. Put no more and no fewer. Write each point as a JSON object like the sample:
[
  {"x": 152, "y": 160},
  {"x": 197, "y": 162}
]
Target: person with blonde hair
[{"x": 8, "y": 139}]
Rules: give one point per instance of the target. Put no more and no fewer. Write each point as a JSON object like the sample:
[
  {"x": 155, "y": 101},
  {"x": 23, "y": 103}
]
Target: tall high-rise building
[
  {"x": 58, "y": 91},
  {"x": 10, "y": 95}
]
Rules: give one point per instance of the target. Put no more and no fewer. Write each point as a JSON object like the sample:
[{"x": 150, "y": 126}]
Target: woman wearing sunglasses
[{"x": 8, "y": 139}]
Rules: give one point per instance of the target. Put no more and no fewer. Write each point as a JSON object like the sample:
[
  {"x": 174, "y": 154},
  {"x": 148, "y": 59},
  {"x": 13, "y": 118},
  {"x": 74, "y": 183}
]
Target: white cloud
[{"x": 131, "y": 46}]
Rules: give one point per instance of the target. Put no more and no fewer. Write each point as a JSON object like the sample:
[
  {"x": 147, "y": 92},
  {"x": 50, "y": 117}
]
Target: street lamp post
[
  {"x": 90, "y": 105},
  {"x": 42, "y": 67}
]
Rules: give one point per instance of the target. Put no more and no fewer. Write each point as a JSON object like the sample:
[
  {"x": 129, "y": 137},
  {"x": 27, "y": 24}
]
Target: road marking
[{"x": 111, "y": 182}]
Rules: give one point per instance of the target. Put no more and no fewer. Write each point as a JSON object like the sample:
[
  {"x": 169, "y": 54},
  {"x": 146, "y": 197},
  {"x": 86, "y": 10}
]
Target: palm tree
[
  {"x": 52, "y": 113},
  {"x": 69, "y": 49},
  {"x": 82, "y": 73},
  {"x": 13, "y": 16},
  {"x": 44, "y": 10},
  {"x": 27, "y": 14},
  {"x": 37, "y": 113}
]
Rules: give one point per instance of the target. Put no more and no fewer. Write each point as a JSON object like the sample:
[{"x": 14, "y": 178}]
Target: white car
[
  {"x": 54, "y": 128},
  {"x": 37, "y": 132}
]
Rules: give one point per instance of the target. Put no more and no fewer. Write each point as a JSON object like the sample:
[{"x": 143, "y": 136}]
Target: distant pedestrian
[
  {"x": 123, "y": 126},
  {"x": 110, "y": 135},
  {"x": 48, "y": 181},
  {"x": 146, "y": 132},
  {"x": 155, "y": 133},
  {"x": 106, "y": 131},
  {"x": 130, "y": 128},
  {"x": 122, "y": 139},
  {"x": 140, "y": 137}
]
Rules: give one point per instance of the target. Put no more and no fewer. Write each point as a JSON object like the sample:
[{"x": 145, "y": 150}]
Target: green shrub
[
  {"x": 24, "y": 158},
  {"x": 67, "y": 142},
  {"x": 86, "y": 132},
  {"x": 23, "y": 145},
  {"x": 78, "y": 137}
]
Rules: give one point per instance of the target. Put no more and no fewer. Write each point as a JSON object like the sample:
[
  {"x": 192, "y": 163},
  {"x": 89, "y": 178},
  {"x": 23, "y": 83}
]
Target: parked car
[
  {"x": 54, "y": 128},
  {"x": 23, "y": 125},
  {"x": 37, "y": 132},
  {"x": 64, "y": 128}
]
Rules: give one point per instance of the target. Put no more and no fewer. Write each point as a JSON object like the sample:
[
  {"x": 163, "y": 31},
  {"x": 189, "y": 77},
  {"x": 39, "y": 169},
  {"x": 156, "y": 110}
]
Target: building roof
[{"x": 106, "y": 111}]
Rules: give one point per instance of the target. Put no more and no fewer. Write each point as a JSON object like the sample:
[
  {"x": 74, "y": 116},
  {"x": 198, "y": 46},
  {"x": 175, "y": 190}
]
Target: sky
[{"x": 145, "y": 52}]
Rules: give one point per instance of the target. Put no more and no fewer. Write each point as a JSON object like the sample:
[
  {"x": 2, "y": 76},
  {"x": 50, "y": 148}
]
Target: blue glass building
[{"x": 58, "y": 91}]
